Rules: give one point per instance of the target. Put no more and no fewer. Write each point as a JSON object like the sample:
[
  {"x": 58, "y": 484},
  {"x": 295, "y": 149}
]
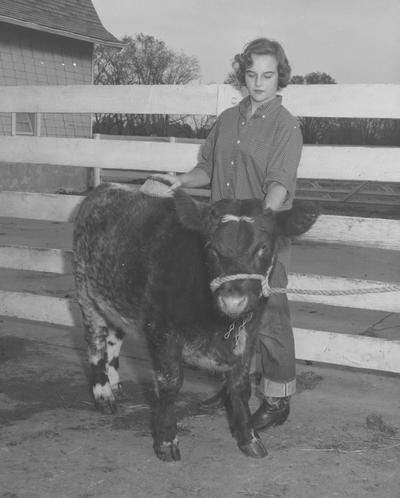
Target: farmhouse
[{"x": 47, "y": 43}]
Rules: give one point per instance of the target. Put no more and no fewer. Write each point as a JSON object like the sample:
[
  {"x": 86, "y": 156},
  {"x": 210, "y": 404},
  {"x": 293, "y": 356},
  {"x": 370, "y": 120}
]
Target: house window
[{"x": 25, "y": 123}]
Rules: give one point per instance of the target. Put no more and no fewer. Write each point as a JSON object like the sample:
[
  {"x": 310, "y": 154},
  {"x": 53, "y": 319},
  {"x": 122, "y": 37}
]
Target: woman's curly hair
[{"x": 262, "y": 46}]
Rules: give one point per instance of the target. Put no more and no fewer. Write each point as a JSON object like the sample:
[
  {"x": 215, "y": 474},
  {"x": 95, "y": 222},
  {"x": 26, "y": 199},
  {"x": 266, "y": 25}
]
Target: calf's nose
[{"x": 233, "y": 304}]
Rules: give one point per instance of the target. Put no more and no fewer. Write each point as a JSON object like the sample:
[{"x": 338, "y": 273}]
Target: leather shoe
[
  {"x": 269, "y": 414},
  {"x": 215, "y": 402}
]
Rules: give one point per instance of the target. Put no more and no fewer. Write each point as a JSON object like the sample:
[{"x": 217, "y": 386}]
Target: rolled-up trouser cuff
[{"x": 276, "y": 389}]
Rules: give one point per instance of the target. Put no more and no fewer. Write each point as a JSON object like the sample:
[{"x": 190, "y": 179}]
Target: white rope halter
[
  {"x": 217, "y": 282},
  {"x": 265, "y": 288}
]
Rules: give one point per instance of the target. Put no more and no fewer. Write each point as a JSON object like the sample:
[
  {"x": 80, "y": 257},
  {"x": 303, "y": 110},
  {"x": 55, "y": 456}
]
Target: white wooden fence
[{"x": 323, "y": 162}]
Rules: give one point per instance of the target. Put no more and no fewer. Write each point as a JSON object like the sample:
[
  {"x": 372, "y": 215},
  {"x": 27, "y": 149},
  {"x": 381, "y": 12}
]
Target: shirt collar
[{"x": 266, "y": 108}]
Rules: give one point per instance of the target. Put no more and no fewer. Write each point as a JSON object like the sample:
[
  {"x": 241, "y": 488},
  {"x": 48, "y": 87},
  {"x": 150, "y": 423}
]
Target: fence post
[
  {"x": 172, "y": 140},
  {"x": 226, "y": 97},
  {"x": 38, "y": 124},
  {"x": 13, "y": 124},
  {"x": 96, "y": 171}
]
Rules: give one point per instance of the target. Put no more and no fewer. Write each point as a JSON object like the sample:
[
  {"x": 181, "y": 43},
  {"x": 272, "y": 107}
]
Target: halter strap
[{"x": 265, "y": 288}]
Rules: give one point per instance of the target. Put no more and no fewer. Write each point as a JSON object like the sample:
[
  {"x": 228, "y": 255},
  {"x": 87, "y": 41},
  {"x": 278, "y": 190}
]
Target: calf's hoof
[
  {"x": 104, "y": 399},
  {"x": 118, "y": 392},
  {"x": 254, "y": 448},
  {"x": 168, "y": 451},
  {"x": 106, "y": 407}
]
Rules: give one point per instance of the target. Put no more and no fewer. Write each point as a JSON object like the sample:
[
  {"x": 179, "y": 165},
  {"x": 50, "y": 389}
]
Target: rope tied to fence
[{"x": 267, "y": 290}]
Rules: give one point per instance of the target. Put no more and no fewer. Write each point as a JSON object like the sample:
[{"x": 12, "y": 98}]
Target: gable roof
[{"x": 71, "y": 18}]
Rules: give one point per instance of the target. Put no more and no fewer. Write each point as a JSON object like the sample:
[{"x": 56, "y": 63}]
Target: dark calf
[{"x": 186, "y": 275}]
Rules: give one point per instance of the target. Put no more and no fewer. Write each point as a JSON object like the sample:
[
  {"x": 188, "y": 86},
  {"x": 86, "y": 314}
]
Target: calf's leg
[
  {"x": 168, "y": 377},
  {"x": 239, "y": 391},
  {"x": 114, "y": 343},
  {"x": 104, "y": 345}
]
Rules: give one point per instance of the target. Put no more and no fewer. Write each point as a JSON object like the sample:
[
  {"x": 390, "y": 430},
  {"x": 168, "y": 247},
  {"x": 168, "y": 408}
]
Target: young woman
[{"x": 252, "y": 151}]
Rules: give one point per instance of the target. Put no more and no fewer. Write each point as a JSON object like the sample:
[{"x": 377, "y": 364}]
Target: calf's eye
[
  {"x": 212, "y": 253},
  {"x": 263, "y": 251}
]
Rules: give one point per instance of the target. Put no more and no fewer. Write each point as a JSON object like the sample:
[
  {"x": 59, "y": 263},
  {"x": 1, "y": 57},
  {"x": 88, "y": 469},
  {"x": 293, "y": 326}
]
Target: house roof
[{"x": 71, "y": 18}]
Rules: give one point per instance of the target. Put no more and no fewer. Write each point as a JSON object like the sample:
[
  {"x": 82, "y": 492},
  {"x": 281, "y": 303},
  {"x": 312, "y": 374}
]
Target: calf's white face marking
[{"x": 232, "y": 217}]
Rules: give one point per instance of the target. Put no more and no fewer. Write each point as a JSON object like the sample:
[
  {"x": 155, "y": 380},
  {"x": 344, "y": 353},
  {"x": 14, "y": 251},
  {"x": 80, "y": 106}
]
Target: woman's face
[{"x": 262, "y": 78}]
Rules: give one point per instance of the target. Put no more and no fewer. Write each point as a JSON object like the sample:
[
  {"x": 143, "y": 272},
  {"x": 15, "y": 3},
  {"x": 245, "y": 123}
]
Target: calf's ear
[
  {"x": 297, "y": 220},
  {"x": 191, "y": 214}
]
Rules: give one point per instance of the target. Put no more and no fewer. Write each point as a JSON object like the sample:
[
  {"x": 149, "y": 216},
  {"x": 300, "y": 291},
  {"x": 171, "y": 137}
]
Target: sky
[{"x": 354, "y": 41}]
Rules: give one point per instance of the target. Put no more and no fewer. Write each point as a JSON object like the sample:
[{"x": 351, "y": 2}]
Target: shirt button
[
  {"x": 238, "y": 141},
  {"x": 232, "y": 163},
  {"x": 263, "y": 116},
  {"x": 243, "y": 123},
  {"x": 228, "y": 184}
]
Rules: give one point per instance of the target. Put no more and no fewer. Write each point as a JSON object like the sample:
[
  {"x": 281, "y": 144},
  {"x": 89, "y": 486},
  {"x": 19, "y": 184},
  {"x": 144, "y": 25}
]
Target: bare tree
[
  {"x": 202, "y": 125},
  {"x": 143, "y": 60}
]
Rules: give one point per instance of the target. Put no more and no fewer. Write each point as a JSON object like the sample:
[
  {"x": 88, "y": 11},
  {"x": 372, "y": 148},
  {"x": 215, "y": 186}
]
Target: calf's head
[{"x": 242, "y": 241}]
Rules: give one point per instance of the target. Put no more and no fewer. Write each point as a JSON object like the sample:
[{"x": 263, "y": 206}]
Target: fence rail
[
  {"x": 353, "y": 101},
  {"x": 324, "y": 162},
  {"x": 321, "y": 162}
]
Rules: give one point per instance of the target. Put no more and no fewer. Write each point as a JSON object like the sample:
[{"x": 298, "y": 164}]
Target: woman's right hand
[{"x": 173, "y": 180}]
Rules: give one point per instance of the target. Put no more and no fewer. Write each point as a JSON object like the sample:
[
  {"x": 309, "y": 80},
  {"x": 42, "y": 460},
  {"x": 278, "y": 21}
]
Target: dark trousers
[{"x": 275, "y": 355}]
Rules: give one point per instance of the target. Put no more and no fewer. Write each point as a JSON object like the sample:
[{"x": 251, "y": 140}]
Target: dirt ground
[{"x": 342, "y": 438}]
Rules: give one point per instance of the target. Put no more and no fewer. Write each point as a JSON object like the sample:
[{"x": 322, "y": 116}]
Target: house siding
[{"x": 30, "y": 57}]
